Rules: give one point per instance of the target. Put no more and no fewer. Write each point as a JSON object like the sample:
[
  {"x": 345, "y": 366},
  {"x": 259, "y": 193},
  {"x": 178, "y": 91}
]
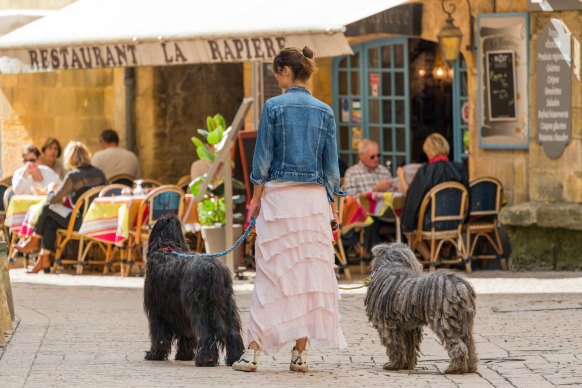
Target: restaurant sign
[
  {"x": 554, "y": 88},
  {"x": 163, "y": 53}
]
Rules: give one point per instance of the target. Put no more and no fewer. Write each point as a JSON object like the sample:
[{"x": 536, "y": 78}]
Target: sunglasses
[
  {"x": 374, "y": 156},
  {"x": 29, "y": 160}
]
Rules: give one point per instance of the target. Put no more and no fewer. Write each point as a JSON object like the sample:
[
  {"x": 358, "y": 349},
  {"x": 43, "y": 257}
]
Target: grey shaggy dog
[
  {"x": 188, "y": 301},
  {"x": 401, "y": 300}
]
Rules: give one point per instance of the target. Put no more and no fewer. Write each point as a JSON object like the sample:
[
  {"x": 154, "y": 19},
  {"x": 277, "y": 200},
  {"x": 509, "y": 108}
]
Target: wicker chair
[
  {"x": 69, "y": 234},
  {"x": 338, "y": 245},
  {"x": 440, "y": 220},
  {"x": 184, "y": 182},
  {"x": 3, "y": 208},
  {"x": 112, "y": 190},
  {"x": 123, "y": 179},
  {"x": 158, "y": 203},
  {"x": 148, "y": 183},
  {"x": 485, "y": 204},
  {"x": 8, "y": 194}
]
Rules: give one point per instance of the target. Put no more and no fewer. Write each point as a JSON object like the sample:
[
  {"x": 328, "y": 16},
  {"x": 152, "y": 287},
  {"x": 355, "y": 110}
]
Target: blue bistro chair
[
  {"x": 485, "y": 204},
  {"x": 159, "y": 202},
  {"x": 440, "y": 220}
]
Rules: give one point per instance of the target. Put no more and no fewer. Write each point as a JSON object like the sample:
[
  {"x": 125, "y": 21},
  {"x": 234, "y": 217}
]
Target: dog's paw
[
  {"x": 391, "y": 366},
  {"x": 455, "y": 371},
  {"x": 209, "y": 362},
  {"x": 184, "y": 356},
  {"x": 151, "y": 356}
]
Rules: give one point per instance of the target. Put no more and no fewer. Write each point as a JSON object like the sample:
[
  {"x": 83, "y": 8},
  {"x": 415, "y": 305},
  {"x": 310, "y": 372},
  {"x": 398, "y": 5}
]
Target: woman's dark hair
[
  {"x": 30, "y": 149},
  {"x": 299, "y": 61},
  {"x": 49, "y": 142}
]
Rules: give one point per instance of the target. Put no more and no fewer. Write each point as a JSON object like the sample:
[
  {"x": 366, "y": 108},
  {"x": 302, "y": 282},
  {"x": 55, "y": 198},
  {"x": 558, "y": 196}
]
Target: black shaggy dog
[{"x": 188, "y": 300}]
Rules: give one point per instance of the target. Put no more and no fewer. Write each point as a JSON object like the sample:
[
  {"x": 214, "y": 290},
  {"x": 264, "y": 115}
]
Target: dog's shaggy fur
[
  {"x": 188, "y": 300},
  {"x": 401, "y": 300}
]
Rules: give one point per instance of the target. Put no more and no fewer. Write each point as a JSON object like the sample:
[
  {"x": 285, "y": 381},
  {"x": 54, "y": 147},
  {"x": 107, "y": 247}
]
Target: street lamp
[{"x": 450, "y": 36}]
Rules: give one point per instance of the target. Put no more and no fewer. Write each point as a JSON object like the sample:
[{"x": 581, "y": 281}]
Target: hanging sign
[{"x": 554, "y": 88}]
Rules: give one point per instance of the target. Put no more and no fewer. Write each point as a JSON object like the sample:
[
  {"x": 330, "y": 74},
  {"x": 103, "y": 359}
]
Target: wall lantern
[{"x": 450, "y": 36}]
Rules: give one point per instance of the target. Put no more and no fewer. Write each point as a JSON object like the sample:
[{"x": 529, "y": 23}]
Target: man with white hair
[{"x": 368, "y": 175}]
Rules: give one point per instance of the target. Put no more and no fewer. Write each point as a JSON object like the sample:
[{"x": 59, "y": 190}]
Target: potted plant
[{"x": 212, "y": 209}]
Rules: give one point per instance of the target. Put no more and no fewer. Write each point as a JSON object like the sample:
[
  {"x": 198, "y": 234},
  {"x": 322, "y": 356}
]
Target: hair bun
[{"x": 307, "y": 52}]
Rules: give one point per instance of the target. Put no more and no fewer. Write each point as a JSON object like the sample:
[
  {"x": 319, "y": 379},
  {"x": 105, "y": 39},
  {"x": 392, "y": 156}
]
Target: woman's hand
[
  {"x": 255, "y": 208},
  {"x": 334, "y": 222}
]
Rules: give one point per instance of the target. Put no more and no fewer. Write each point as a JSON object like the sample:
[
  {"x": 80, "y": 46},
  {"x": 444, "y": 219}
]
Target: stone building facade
[{"x": 170, "y": 103}]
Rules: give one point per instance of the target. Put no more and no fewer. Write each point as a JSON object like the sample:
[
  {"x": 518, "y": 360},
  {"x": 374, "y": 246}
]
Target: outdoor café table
[
  {"x": 23, "y": 212},
  {"x": 109, "y": 219},
  {"x": 376, "y": 204}
]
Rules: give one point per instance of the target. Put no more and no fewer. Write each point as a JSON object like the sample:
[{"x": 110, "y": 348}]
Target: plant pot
[{"x": 214, "y": 237}]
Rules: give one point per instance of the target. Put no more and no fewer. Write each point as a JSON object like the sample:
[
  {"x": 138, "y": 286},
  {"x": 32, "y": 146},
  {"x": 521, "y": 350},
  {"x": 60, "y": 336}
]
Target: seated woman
[
  {"x": 438, "y": 170},
  {"x": 33, "y": 177},
  {"x": 81, "y": 178},
  {"x": 50, "y": 154}
]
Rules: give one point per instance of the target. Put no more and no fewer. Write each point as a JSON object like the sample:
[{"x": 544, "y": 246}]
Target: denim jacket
[{"x": 296, "y": 142}]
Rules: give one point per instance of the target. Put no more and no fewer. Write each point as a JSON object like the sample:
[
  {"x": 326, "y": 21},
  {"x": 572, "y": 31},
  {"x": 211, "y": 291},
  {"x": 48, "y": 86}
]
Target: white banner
[{"x": 163, "y": 53}]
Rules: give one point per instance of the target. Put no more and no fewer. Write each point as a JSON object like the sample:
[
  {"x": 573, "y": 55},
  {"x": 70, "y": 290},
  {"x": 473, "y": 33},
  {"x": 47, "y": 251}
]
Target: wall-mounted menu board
[{"x": 501, "y": 85}]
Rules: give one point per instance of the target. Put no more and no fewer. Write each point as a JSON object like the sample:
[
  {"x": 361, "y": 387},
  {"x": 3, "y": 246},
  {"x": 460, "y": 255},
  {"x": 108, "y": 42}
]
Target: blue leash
[{"x": 236, "y": 244}]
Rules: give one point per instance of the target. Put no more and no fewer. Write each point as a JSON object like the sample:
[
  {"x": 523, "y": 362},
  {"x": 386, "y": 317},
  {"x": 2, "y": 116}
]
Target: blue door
[{"x": 371, "y": 99}]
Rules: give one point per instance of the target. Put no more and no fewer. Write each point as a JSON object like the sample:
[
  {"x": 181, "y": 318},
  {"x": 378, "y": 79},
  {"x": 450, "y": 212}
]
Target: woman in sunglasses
[{"x": 33, "y": 177}]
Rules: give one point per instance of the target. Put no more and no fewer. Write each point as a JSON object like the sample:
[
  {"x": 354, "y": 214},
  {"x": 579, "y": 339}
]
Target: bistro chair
[
  {"x": 69, "y": 234},
  {"x": 159, "y": 202},
  {"x": 112, "y": 190},
  {"x": 147, "y": 183},
  {"x": 184, "y": 182},
  {"x": 440, "y": 220},
  {"x": 338, "y": 245},
  {"x": 123, "y": 179},
  {"x": 11, "y": 237},
  {"x": 3, "y": 187},
  {"x": 485, "y": 203}
]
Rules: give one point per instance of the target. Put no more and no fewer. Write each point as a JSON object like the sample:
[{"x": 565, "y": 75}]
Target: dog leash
[
  {"x": 366, "y": 284},
  {"x": 236, "y": 244}
]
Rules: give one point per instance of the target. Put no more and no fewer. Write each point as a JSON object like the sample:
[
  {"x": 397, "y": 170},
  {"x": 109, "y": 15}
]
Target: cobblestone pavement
[{"x": 91, "y": 331}]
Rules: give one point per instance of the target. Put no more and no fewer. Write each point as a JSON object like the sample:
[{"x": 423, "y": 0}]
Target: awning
[
  {"x": 11, "y": 19},
  {"x": 119, "y": 33}
]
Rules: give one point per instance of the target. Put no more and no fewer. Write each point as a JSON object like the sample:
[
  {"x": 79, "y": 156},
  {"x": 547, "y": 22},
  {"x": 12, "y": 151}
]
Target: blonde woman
[
  {"x": 438, "y": 170},
  {"x": 81, "y": 178}
]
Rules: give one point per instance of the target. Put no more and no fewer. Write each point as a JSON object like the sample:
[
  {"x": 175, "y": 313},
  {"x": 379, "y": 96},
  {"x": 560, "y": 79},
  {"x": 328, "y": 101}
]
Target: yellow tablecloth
[{"x": 23, "y": 212}]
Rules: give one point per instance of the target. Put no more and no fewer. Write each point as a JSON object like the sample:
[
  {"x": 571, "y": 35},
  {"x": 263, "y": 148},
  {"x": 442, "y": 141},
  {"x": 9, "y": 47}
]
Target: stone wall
[
  {"x": 171, "y": 104},
  {"x": 67, "y": 105}
]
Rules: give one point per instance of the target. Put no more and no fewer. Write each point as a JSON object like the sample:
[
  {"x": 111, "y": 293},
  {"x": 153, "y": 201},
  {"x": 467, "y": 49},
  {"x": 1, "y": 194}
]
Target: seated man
[
  {"x": 33, "y": 178},
  {"x": 368, "y": 175},
  {"x": 114, "y": 160}
]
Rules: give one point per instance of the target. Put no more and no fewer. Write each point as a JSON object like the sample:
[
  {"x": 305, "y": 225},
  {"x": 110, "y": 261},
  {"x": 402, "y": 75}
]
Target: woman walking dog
[{"x": 296, "y": 178}]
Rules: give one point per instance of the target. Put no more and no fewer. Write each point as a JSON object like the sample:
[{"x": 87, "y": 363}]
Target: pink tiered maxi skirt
[{"x": 295, "y": 293}]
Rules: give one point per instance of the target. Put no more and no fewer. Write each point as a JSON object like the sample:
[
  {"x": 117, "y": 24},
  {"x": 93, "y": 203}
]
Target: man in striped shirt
[{"x": 368, "y": 175}]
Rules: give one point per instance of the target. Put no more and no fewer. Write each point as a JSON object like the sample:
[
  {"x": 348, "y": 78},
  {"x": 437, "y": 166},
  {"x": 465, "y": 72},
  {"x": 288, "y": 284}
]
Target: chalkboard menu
[{"x": 501, "y": 85}]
